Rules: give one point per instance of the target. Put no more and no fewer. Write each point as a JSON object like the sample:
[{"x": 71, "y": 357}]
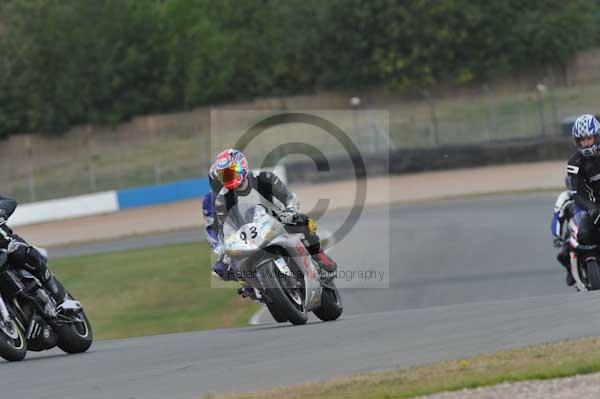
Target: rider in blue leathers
[
  {"x": 224, "y": 268},
  {"x": 230, "y": 172},
  {"x": 564, "y": 209},
  {"x": 220, "y": 268}
]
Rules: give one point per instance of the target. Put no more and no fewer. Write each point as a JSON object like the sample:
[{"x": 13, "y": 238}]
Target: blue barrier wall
[
  {"x": 162, "y": 193},
  {"x": 113, "y": 201}
]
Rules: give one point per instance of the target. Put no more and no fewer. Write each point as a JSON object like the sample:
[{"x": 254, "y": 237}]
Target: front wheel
[
  {"x": 593, "y": 274},
  {"x": 75, "y": 331},
  {"x": 277, "y": 314},
  {"x": 285, "y": 301},
  {"x": 331, "y": 304},
  {"x": 13, "y": 345}
]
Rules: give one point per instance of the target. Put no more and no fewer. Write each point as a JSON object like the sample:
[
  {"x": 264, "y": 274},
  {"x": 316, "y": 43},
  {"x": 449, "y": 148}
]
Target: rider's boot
[
  {"x": 569, "y": 279},
  {"x": 325, "y": 262},
  {"x": 246, "y": 290},
  {"x": 313, "y": 244},
  {"x": 55, "y": 289},
  {"x": 564, "y": 259}
]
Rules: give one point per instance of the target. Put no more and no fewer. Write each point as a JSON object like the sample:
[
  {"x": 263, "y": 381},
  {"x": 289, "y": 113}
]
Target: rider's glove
[
  {"x": 223, "y": 269},
  {"x": 287, "y": 216},
  {"x": 217, "y": 249},
  {"x": 557, "y": 242},
  {"x": 220, "y": 270},
  {"x": 226, "y": 260}
]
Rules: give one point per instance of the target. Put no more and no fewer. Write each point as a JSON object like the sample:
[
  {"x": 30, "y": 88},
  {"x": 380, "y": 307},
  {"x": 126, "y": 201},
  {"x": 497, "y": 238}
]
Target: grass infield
[
  {"x": 557, "y": 360},
  {"x": 152, "y": 291}
]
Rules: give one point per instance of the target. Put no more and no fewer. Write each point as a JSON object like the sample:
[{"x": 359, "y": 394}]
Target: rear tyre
[
  {"x": 593, "y": 274},
  {"x": 331, "y": 304},
  {"x": 13, "y": 346},
  {"x": 284, "y": 303}
]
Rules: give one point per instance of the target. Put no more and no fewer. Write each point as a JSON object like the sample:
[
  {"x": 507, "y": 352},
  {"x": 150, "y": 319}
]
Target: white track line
[{"x": 256, "y": 318}]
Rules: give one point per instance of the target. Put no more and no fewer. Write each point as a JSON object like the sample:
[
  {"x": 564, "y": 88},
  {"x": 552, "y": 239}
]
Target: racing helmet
[
  {"x": 231, "y": 168},
  {"x": 586, "y": 126}
]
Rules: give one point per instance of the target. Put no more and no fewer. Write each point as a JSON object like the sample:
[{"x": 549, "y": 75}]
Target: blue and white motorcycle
[{"x": 583, "y": 264}]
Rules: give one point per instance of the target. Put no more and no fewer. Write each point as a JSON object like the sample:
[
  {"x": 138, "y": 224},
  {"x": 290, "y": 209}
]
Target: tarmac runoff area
[{"x": 381, "y": 191}]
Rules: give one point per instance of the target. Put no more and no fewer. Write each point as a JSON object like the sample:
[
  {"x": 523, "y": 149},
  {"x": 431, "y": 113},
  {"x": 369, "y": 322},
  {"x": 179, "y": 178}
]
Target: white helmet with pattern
[{"x": 585, "y": 127}]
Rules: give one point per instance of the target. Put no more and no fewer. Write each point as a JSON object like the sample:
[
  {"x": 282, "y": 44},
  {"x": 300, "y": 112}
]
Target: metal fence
[{"x": 158, "y": 149}]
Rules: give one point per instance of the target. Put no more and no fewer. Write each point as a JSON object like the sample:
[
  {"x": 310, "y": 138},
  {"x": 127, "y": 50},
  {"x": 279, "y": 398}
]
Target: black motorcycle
[
  {"x": 30, "y": 319},
  {"x": 584, "y": 267}
]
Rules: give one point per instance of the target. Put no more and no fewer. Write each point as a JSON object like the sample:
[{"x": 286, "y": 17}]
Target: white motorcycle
[{"x": 278, "y": 266}]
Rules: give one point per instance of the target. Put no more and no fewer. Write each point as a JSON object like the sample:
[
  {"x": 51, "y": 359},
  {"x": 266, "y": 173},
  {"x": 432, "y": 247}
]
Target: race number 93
[{"x": 250, "y": 232}]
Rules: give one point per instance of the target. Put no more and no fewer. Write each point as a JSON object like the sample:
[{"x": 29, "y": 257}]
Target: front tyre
[
  {"x": 331, "y": 304},
  {"x": 593, "y": 274},
  {"x": 13, "y": 345},
  {"x": 287, "y": 303},
  {"x": 277, "y": 314},
  {"x": 75, "y": 332}
]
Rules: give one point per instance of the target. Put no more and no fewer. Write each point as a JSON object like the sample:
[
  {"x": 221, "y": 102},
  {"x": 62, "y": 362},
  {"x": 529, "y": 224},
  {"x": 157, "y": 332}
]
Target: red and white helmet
[{"x": 231, "y": 168}]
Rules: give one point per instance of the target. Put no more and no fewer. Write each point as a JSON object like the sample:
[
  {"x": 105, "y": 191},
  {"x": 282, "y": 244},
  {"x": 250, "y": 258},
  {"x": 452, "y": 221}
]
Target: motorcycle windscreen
[
  {"x": 248, "y": 228},
  {"x": 238, "y": 216}
]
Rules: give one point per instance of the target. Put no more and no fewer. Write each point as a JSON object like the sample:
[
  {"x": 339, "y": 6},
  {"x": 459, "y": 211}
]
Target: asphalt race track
[
  {"x": 465, "y": 276},
  {"x": 438, "y": 253}
]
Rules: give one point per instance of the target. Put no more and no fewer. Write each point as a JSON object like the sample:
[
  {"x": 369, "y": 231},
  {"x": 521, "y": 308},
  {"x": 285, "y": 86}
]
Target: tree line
[{"x": 66, "y": 62}]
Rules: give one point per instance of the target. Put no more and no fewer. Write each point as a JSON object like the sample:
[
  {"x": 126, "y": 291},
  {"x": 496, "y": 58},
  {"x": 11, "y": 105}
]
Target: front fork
[
  {"x": 575, "y": 271},
  {"x": 4, "y": 315},
  {"x": 6, "y": 326}
]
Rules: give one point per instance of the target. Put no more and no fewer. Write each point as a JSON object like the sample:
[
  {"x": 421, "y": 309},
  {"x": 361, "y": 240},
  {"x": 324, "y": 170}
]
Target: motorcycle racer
[
  {"x": 564, "y": 209},
  {"x": 583, "y": 169},
  {"x": 231, "y": 172},
  {"x": 221, "y": 266},
  {"x": 23, "y": 255}
]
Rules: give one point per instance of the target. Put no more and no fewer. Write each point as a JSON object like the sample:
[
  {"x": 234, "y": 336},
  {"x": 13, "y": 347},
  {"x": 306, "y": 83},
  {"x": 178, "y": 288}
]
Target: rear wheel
[
  {"x": 284, "y": 300},
  {"x": 593, "y": 274},
  {"x": 13, "y": 345},
  {"x": 331, "y": 304}
]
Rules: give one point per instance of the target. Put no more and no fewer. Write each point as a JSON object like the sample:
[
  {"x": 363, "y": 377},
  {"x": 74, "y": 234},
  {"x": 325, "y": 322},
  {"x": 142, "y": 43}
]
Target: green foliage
[
  {"x": 78, "y": 61},
  {"x": 461, "y": 40},
  {"x": 71, "y": 61}
]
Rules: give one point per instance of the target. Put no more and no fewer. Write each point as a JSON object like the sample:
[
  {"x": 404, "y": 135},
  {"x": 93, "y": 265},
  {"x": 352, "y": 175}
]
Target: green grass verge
[
  {"x": 563, "y": 359},
  {"x": 151, "y": 291}
]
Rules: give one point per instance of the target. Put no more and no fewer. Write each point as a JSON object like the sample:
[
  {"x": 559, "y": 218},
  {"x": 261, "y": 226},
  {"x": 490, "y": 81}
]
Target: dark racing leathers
[
  {"x": 267, "y": 189},
  {"x": 585, "y": 179},
  {"x": 25, "y": 256}
]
